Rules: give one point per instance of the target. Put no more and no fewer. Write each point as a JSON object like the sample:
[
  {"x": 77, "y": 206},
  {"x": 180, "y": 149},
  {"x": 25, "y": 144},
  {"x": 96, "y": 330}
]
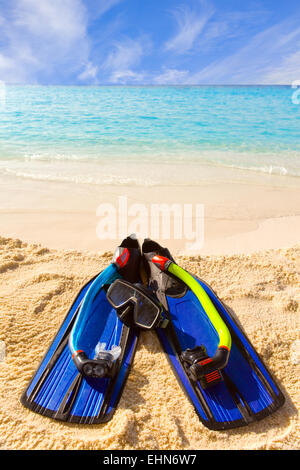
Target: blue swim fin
[
  {"x": 67, "y": 385},
  {"x": 244, "y": 390}
]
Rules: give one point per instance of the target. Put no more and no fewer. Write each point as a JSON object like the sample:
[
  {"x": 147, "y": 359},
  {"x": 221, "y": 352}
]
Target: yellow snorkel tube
[{"x": 205, "y": 367}]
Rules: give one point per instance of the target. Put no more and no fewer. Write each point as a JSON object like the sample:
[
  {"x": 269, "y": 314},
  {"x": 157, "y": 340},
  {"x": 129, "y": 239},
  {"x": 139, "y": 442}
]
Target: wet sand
[{"x": 242, "y": 212}]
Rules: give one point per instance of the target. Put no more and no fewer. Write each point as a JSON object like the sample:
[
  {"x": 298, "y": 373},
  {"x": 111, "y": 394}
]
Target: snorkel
[
  {"x": 125, "y": 262},
  {"x": 200, "y": 365}
]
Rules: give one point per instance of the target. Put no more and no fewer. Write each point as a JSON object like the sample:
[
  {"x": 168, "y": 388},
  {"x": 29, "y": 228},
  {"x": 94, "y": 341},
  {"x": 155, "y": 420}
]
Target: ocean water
[{"x": 124, "y": 135}]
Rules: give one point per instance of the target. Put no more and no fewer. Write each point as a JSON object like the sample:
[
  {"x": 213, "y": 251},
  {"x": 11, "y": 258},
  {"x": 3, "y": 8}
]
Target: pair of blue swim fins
[{"x": 82, "y": 375}]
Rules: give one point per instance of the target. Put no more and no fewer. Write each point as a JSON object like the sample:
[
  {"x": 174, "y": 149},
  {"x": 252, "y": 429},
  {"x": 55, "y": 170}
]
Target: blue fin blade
[
  {"x": 57, "y": 389},
  {"x": 247, "y": 393}
]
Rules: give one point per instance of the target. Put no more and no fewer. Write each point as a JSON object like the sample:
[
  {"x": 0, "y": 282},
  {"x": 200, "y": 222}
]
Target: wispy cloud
[
  {"x": 171, "y": 76},
  {"x": 123, "y": 58},
  {"x": 124, "y": 55},
  {"x": 89, "y": 74},
  {"x": 190, "y": 24},
  {"x": 266, "y": 52},
  {"x": 100, "y": 7},
  {"x": 287, "y": 72}
]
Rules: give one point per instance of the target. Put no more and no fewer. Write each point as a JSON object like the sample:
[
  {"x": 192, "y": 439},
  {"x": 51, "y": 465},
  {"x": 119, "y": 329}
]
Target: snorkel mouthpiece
[{"x": 93, "y": 368}]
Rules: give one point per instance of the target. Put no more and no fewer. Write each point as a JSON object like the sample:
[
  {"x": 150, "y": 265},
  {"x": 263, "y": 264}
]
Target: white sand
[
  {"x": 36, "y": 287},
  {"x": 243, "y": 211}
]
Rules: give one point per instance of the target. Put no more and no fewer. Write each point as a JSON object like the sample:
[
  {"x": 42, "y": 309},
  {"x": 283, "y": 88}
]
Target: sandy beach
[
  {"x": 242, "y": 211},
  {"x": 37, "y": 285}
]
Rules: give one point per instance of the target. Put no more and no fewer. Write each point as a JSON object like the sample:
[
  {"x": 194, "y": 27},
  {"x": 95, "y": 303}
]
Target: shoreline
[{"x": 242, "y": 213}]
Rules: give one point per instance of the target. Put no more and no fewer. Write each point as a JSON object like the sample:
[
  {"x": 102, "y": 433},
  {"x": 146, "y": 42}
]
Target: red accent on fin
[
  {"x": 205, "y": 361},
  {"x": 213, "y": 376}
]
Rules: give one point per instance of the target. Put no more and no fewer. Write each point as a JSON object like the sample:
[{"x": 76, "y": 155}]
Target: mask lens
[
  {"x": 146, "y": 312},
  {"x": 119, "y": 293}
]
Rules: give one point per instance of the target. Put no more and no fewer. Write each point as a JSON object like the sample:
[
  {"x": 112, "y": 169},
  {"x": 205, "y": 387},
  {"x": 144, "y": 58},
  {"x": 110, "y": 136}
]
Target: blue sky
[{"x": 95, "y": 42}]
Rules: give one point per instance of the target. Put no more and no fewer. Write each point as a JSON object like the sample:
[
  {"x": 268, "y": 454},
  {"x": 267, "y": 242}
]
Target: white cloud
[
  {"x": 123, "y": 77},
  {"x": 172, "y": 77},
  {"x": 51, "y": 18},
  {"x": 286, "y": 73},
  {"x": 89, "y": 74},
  {"x": 42, "y": 39},
  {"x": 100, "y": 7},
  {"x": 123, "y": 58},
  {"x": 124, "y": 55},
  {"x": 269, "y": 57},
  {"x": 5, "y": 63},
  {"x": 190, "y": 24}
]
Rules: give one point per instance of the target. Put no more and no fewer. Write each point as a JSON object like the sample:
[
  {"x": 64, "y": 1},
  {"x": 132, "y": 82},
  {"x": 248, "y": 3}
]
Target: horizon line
[{"x": 149, "y": 85}]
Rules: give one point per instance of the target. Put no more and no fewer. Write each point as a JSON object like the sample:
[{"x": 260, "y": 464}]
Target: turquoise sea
[{"x": 73, "y": 133}]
